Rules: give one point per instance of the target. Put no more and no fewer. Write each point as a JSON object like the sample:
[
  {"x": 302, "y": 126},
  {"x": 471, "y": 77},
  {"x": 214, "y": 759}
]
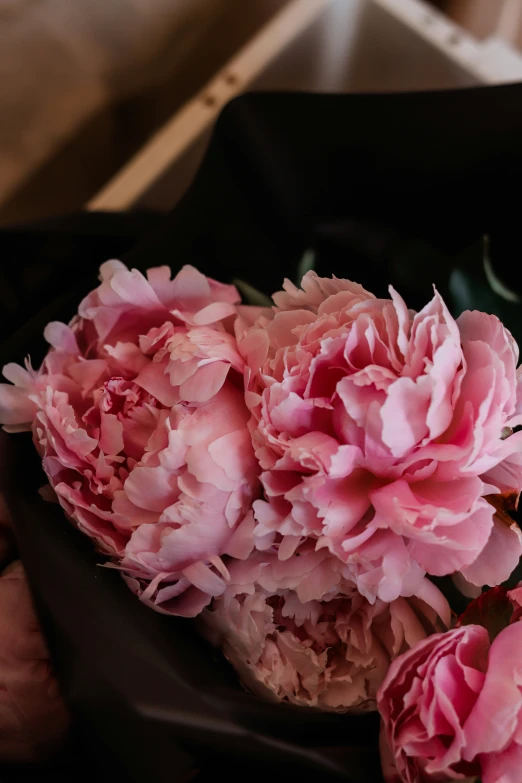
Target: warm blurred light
[
  {"x": 338, "y": 35},
  {"x": 510, "y": 21}
]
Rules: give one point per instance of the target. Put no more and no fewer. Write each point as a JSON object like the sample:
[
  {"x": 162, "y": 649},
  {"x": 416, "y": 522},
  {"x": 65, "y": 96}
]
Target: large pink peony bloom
[
  {"x": 380, "y": 434},
  {"x": 139, "y": 415},
  {"x": 452, "y": 706},
  {"x": 332, "y": 654}
]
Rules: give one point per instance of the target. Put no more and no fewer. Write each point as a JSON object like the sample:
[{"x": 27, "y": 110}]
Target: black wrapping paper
[{"x": 381, "y": 188}]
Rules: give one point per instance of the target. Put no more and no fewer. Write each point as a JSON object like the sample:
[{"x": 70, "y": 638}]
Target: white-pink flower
[
  {"x": 380, "y": 434},
  {"x": 138, "y": 411},
  {"x": 332, "y": 654}
]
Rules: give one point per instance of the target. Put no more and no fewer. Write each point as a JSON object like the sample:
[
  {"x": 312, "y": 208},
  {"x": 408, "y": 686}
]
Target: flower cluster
[{"x": 294, "y": 475}]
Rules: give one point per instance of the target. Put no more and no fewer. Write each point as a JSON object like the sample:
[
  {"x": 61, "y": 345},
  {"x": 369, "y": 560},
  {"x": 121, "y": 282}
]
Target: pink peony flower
[
  {"x": 139, "y": 415},
  {"x": 332, "y": 654},
  {"x": 381, "y": 434},
  {"x": 452, "y": 706}
]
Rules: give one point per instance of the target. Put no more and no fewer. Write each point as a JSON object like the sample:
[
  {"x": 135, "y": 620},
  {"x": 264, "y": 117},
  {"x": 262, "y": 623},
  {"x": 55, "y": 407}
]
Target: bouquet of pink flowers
[{"x": 299, "y": 477}]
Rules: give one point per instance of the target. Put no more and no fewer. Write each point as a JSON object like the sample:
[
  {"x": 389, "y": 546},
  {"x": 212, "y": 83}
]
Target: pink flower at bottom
[
  {"x": 452, "y": 707},
  {"x": 332, "y": 654}
]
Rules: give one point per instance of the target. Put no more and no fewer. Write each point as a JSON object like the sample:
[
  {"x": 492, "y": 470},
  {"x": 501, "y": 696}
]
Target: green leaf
[
  {"x": 496, "y": 284},
  {"x": 474, "y": 285},
  {"x": 251, "y": 295},
  {"x": 306, "y": 264}
]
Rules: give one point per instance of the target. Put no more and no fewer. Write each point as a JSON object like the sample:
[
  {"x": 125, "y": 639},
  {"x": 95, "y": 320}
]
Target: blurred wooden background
[
  {"x": 482, "y": 17},
  {"x": 83, "y": 84}
]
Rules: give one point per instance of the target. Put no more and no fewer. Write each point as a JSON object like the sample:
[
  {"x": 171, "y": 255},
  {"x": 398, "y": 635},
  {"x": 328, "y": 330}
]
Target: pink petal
[
  {"x": 502, "y": 767},
  {"x": 203, "y": 578},
  {"x": 388, "y": 765},
  {"x": 433, "y": 597},
  {"x": 111, "y": 434},
  {"x": 205, "y": 383},
  {"x": 446, "y": 362},
  {"x": 403, "y": 320},
  {"x": 109, "y": 268},
  {"x": 128, "y": 356},
  {"x": 151, "y": 488},
  {"x": 216, "y": 311},
  {"x": 232, "y": 452},
  {"x": 241, "y": 543},
  {"x": 132, "y": 287},
  {"x": 19, "y": 376},
  {"x": 499, "y": 558},
  {"x": 404, "y": 414},
  {"x": 458, "y": 545},
  {"x": 152, "y": 378},
  {"x": 190, "y": 287},
  {"x": 494, "y": 718},
  {"x": 88, "y": 374},
  {"x": 61, "y": 337},
  {"x": 16, "y": 409}
]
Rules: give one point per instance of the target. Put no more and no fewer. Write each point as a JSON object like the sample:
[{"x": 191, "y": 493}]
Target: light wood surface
[{"x": 84, "y": 83}]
